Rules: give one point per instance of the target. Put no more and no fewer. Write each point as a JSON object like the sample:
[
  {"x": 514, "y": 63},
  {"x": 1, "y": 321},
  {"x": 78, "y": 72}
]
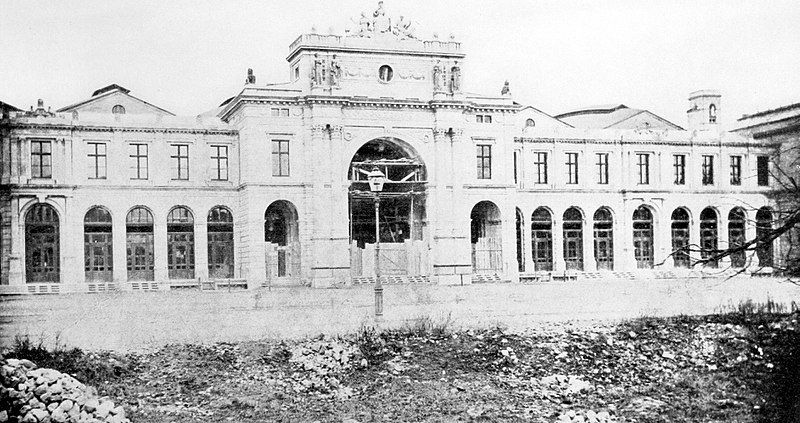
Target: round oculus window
[{"x": 385, "y": 73}]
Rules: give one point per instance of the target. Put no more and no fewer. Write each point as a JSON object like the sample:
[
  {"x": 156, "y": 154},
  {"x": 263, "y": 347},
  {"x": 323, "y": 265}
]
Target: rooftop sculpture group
[{"x": 379, "y": 23}]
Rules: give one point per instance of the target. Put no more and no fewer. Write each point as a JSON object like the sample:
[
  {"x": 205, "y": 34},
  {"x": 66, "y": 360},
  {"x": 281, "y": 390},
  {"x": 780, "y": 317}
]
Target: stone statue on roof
[
  {"x": 335, "y": 72},
  {"x": 455, "y": 78},
  {"x": 404, "y": 28},
  {"x": 381, "y": 23},
  {"x": 506, "y": 89}
]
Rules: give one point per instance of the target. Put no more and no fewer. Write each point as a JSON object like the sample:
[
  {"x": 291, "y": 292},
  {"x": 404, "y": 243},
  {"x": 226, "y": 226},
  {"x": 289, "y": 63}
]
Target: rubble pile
[
  {"x": 321, "y": 362},
  {"x": 30, "y": 395},
  {"x": 587, "y": 416}
]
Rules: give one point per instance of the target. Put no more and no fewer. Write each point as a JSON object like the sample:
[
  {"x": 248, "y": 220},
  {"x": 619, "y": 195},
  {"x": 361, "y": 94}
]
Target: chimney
[{"x": 704, "y": 110}]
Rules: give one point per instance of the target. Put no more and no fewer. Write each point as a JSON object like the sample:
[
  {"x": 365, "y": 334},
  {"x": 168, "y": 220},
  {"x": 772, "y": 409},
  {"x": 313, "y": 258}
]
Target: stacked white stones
[
  {"x": 321, "y": 362},
  {"x": 33, "y": 395}
]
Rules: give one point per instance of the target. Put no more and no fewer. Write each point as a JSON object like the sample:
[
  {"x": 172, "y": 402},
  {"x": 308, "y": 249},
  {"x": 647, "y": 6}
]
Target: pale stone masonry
[{"x": 270, "y": 187}]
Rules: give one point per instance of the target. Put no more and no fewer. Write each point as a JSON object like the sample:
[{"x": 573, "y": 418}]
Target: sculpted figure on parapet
[
  {"x": 455, "y": 78},
  {"x": 335, "y": 72},
  {"x": 438, "y": 77},
  {"x": 381, "y": 23}
]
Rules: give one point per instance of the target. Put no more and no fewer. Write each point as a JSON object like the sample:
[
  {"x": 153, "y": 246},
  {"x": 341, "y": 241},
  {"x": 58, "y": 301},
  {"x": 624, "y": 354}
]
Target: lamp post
[{"x": 376, "y": 179}]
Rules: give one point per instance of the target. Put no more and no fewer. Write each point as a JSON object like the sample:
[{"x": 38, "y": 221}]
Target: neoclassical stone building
[{"x": 270, "y": 187}]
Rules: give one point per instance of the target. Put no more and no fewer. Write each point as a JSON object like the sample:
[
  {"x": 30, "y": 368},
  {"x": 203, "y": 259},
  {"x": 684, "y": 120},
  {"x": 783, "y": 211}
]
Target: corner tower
[{"x": 704, "y": 110}]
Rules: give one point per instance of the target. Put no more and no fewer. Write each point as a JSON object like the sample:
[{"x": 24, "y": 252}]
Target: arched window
[
  {"x": 520, "y": 242},
  {"x": 736, "y": 236},
  {"x": 763, "y": 230},
  {"x": 118, "y": 109},
  {"x": 573, "y": 239},
  {"x": 643, "y": 237},
  {"x": 487, "y": 246},
  {"x": 712, "y": 113},
  {"x": 97, "y": 246},
  {"x": 180, "y": 243},
  {"x": 680, "y": 237},
  {"x": 220, "y": 243},
  {"x": 139, "y": 243},
  {"x": 708, "y": 235},
  {"x": 542, "y": 240},
  {"x": 530, "y": 123},
  {"x": 604, "y": 239},
  {"x": 282, "y": 235},
  {"x": 42, "y": 255}
]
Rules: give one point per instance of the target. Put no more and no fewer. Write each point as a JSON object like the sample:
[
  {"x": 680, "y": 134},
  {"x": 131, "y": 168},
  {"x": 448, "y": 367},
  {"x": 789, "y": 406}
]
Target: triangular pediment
[{"x": 107, "y": 100}]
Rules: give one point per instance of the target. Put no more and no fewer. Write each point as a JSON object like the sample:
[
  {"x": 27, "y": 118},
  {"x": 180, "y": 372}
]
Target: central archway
[{"x": 402, "y": 212}]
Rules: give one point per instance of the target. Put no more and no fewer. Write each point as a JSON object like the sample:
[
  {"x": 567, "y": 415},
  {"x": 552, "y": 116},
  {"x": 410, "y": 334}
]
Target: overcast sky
[{"x": 188, "y": 56}]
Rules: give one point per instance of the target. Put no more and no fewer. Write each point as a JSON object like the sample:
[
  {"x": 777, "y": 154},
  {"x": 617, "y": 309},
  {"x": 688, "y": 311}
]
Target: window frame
[
  {"x": 541, "y": 167},
  {"x": 572, "y": 165},
  {"x": 217, "y": 161},
  {"x": 643, "y": 168},
  {"x": 484, "y": 161},
  {"x": 137, "y": 156},
  {"x": 679, "y": 169},
  {"x": 94, "y": 158},
  {"x": 40, "y": 155},
  {"x": 179, "y": 160},
  {"x": 736, "y": 170},
  {"x": 762, "y": 179},
  {"x": 602, "y": 168},
  {"x": 707, "y": 169},
  {"x": 280, "y": 154}
]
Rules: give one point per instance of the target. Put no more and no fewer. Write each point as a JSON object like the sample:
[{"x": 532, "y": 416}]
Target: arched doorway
[
  {"x": 680, "y": 237},
  {"x": 763, "y": 230},
  {"x": 604, "y": 239},
  {"x": 520, "y": 241},
  {"x": 180, "y": 243},
  {"x": 402, "y": 212},
  {"x": 139, "y": 242},
  {"x": 486, "y": 239},
  {"x": 643, "y": 237},
  {"x": 97, "y": 245},
  {"x": 708, "y": 235},
  {"x": 42, "y": 255},
  {"x": 282, "y": 238},
  {"x": 736, "y": 236},
  {"x": 220, "y": 243},
  {"x": 542, "y": 240},
  {"x": 573, "y": 239}
]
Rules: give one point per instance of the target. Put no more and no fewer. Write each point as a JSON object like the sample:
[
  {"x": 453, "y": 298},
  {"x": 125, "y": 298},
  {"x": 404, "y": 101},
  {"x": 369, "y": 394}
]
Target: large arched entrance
[
  {"x": 401, "y": 214},
  {"x": 97, "y": 245},
  {"x": 282, "y": 238},
  {"x": 41, "y": 244},
  {"x": 487, "y": 246}
]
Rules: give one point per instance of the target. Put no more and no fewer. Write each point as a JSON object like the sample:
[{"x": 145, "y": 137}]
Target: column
[
  {"x": 749, "y": 235},
  {"x": 558, "y": 245},
  {"x": 200, "y": 247},
  {"x": 16, "y": 259},
  {"x": 589, "y": 262},
  {"x": 160, "y": 272},
  {"x": 723, "y": 242},
  {"x": 119, "y": 249},
  {"x": 663, "y": 232}
]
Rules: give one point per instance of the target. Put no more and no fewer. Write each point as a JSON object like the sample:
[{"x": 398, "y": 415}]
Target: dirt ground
[{"x": 126, "y": 321}]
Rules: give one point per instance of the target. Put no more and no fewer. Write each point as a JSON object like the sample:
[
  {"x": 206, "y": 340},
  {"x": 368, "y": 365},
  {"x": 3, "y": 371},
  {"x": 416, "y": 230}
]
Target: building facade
[{"x": 271, "y": 187}]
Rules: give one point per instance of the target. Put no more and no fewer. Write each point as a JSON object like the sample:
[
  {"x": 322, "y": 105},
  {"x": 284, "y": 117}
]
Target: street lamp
[{"x": 376, "y": 180}]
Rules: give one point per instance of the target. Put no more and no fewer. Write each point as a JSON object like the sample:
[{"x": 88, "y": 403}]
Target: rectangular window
[
  {"x": 643, "y": 168},
  {"x": 483, "y": 118},
  {"x": 541, "y": 168},
  {"x": 279, "y": 112},
  {"x": 97, "y": 160},
  {"x": 41, "y": 159},
  {"x": 708, "y": 170},
  {"x": 139, "y": 161},
  {"x": 516, "y": 158},
  {"x": 484, "y": 162},
  {"x": 736, "y": 170},
  {"x": 572, "y": 168},
  {"x": 679, "y": 163},
  {"x": 602, "y": 168},
  {"x": 180, "y": 162},
  {"x": 219, "y": 161},
  {"x": 280, "y": 158},
  {"x": 762, "y": 164}
]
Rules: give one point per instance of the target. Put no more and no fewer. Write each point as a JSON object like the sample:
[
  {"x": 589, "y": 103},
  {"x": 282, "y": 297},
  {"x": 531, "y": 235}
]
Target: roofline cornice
[
  {"x": 105, "y": 128},
  {"x": 608, "y": 141}
]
